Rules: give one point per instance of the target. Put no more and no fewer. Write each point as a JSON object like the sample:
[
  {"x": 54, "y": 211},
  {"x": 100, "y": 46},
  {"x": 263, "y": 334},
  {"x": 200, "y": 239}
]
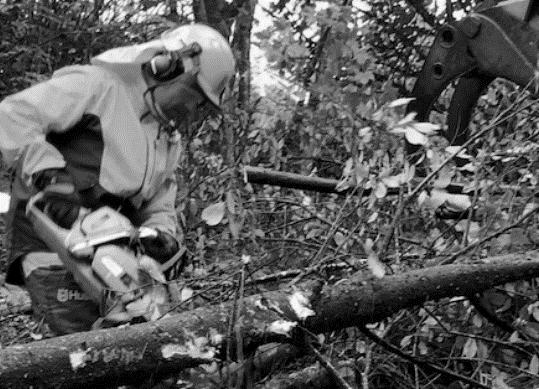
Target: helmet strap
[{"x": 168, "y": 125}]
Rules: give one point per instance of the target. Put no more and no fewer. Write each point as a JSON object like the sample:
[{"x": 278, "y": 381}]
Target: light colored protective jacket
[{"x": 87, "y": 118}]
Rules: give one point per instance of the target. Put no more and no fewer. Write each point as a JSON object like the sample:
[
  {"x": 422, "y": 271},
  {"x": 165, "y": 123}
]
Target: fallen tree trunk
[{"x": 124, "y": 355}]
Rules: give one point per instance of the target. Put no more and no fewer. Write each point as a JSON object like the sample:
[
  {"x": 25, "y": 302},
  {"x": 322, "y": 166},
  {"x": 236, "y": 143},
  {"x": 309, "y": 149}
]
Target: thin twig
[
  {"x": 230, "y": 331},
  {"x": 366, "y": 369},
  {"x": 341, "y": 383},
  {"x": 418, "y": 361},
  {"x": 523, "y": 218},
  {"x": 238, "y": 329}
]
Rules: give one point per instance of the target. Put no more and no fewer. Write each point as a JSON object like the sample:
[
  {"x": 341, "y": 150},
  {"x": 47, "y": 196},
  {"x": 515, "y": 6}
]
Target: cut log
[{"x": 125, "y": 355}]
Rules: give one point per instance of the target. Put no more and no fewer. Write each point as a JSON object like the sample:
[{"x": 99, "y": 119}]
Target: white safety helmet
[{"x": 215, "y": 64}]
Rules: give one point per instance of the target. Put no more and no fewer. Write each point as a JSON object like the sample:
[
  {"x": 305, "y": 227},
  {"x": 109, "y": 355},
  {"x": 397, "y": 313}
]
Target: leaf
[
  {"x": 375, "y": 266},
  {"x": 426, "y": 127},
  {"x": 470, "y": 348},
  {"x": 296, "y": 50},
  {"x": 259, "y": 233},
  {"x": 400, "y": 102},
  {"x": 529, "y": 208},
  {"x": 406, "y": 341},
  {"x": 350, "y": 88},
  {"x": 186, "y": 294},
  {"x": 499, "y": 382},
  {"x": 339, "y": 238},
  {"x": 364, "y": 77},
  {"x": 534, "y": 365},
  {"x": 372, "y": 218},
  {"x": 415, "y": 137},
  {"x": 423, "y": 349},
  {"x": 443, "y": 180},
  {"x": 458, "y": 202},
  {"x": 139, "y": 307},
  {"x": 36, "y": 336},
  {"x": 483, "y": 350},
  {"x": 459, "y": 151},
  {"x": 361, "y": 172},
  {"x": 531, "y": 329},
  {"x": 477, "y": 321},
  {"x": 533, "y": 310},
  {"x": 469, "y": 167},
  {"x": 454, "y": 202},
  {"x": 369, "y": 244},
  {"x": 408, "y": 174},
  {"x": 306, "y": 201},
  {"x": 499, "y": 379},
  {"x": 392, "y": 181},
  {"x": 514, "y": 338},
  {"x": 5, "y": 199},
  {"x": 381, "y": 190},
  {"x": 365, "y": 131},
  {"x": 213, "y": 214},
  {"x": 348, "y": 167},
  {"x": 245, "y": 259},
  {"x": 503, "y": 241},
  {"x": 422, "y": 197},
  {"x": 210, "y": 368},
  {"x": 408, "y": 119}
]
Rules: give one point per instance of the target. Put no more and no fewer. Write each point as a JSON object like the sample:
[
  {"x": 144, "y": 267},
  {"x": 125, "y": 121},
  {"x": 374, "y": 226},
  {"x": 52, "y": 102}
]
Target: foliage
[{"x": 39, "y": 37}]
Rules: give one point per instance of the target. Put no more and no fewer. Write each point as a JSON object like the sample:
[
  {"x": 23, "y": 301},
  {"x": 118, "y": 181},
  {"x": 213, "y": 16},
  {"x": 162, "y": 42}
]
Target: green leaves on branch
[
  {"x": 415, "y": 132},
  {"x": 214, "y": 213}
]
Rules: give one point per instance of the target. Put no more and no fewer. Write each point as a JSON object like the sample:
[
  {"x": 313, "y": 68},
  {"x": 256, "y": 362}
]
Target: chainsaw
[{"x": 98, "y": 251}]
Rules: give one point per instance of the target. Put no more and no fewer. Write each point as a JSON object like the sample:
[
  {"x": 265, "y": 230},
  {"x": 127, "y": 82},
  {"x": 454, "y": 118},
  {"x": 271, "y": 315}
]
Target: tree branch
[{"x": 419, "y": 7}]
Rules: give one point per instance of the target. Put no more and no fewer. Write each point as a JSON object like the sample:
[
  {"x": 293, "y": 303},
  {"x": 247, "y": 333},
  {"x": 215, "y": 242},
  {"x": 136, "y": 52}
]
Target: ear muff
[{"x": 165, "y": 67}]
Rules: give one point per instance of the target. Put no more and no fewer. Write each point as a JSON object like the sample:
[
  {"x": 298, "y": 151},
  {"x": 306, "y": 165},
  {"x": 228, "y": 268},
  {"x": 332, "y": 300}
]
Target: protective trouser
[{"x": 55, "y": 295}]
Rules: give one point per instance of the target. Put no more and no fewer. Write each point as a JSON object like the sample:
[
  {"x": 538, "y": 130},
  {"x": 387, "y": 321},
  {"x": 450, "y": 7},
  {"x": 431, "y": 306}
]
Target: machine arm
[{"x": 499, "y": 41}]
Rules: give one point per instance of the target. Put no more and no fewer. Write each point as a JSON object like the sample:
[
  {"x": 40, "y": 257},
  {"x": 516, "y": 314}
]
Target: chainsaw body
[{"x": 96, "y": 251}]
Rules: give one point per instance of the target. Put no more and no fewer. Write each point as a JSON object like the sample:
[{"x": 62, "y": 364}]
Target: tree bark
[
  {"x": 242, "y": 48},
  {"x": 124, "y": 355},
  {"x": 213, "y": 13}
]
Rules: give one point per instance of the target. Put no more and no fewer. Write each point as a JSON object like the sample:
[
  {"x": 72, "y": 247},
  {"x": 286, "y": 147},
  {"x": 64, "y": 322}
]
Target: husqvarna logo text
[{"x": 65, "y": 295}]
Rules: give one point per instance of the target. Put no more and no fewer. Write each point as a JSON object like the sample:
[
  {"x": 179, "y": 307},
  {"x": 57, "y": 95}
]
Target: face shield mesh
[{"x": 179, "y": 103}]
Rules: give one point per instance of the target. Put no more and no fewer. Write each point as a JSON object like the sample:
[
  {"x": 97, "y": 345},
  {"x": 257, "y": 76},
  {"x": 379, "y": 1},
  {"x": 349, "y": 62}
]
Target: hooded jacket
[{"x": 87, "y": 119}]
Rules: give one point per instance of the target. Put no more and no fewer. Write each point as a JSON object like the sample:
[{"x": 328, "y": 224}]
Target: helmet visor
[{"x": 180, "y": 101}]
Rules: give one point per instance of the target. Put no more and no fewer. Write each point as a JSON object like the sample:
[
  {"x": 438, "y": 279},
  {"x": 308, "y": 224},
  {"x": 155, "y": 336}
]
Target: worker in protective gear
[{"x": 111, "y": 131}]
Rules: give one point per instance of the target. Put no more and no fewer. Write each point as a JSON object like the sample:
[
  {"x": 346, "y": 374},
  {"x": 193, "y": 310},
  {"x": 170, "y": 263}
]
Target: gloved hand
[
  {"x": 61, "y": 200},
  {"x": 161, "y": 247}
]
